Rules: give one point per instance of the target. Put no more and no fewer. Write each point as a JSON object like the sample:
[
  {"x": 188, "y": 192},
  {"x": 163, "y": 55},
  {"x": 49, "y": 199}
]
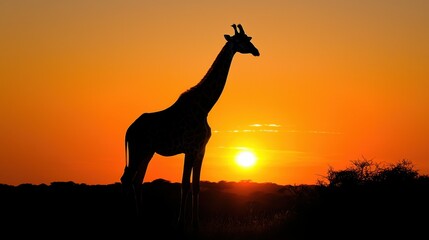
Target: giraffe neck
[{"x": 209, "y": 89}]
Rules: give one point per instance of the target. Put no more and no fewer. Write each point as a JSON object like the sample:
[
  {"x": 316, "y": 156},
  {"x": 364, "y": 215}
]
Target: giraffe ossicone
[{"x": 182, "y": 128}]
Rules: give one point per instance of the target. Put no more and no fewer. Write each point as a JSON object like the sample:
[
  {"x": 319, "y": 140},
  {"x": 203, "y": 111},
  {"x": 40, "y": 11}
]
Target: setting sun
[{"x": 245, "y": 159}]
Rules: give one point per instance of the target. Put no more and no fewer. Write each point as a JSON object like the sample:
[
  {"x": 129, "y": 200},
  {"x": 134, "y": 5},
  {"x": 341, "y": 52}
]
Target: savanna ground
[{"x": 364, "y": 201}]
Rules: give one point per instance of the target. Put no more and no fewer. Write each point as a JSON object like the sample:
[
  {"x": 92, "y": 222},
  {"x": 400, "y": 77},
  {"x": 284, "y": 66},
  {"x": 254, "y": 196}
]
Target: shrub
[{"x": 363, "y": 172}]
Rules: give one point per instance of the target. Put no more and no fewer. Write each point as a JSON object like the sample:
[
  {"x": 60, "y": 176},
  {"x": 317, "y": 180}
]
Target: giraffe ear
[{"x": 227, "y": 37}]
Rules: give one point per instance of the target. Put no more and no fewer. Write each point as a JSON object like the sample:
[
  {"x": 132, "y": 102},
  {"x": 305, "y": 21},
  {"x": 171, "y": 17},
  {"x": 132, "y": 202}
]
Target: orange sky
[{"x": 336, "y": 81}]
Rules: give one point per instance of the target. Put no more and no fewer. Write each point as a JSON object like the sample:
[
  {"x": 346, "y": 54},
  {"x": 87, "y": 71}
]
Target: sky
[{"x": 336, "y": 81}]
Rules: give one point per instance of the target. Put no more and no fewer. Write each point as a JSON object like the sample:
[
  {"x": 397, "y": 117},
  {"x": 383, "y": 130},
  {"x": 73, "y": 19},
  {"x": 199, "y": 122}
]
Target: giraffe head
[{"x": 241, "y": 41}]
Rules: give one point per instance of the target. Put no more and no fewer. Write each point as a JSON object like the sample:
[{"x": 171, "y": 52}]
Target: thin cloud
[
  {"x": 254, "y": 128},
  {"x": 273, "y": 128}
]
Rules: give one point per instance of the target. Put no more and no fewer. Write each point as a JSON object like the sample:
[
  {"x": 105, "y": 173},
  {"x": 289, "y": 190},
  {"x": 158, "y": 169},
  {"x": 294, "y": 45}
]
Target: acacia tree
[{"x": 366, "y": 171}]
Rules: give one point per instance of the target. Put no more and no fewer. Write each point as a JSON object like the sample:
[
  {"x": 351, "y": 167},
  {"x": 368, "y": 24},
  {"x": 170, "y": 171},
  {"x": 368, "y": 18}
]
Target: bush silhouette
[
  {"x": 363, "y": 172},
  {"x": 367, "y": 197}
]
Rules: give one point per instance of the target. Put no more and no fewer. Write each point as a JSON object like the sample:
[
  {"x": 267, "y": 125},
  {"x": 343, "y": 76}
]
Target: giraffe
[{"x": 182, "y": 128}]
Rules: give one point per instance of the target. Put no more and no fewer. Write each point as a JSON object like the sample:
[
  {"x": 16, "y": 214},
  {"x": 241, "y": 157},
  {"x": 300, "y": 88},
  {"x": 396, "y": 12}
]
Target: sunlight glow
[{"x": 245, "y": 159}]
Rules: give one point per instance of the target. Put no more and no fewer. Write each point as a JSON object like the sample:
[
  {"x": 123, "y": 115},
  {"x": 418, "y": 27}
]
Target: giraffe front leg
[
  {"x": 196, "y": 173},
  {"x": 186, "y": 178}
]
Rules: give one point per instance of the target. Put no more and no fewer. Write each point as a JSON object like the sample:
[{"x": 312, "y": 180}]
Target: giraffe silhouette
[{"x": 181, "y": 128}]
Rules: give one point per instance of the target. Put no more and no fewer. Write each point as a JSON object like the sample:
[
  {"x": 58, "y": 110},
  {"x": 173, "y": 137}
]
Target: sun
[{"x": 245, "y": 159}]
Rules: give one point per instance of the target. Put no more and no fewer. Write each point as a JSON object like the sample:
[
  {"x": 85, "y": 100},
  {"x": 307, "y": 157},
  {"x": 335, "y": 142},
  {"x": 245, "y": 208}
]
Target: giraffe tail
[
  {"x": 125, "y": 175},
  {"x": 126, "y": 153}
]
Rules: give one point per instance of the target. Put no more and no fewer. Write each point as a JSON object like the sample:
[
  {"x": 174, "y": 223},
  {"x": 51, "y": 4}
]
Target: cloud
[
  {"x": 253, "y": 128},
  {"x": 272, "y": 128}
]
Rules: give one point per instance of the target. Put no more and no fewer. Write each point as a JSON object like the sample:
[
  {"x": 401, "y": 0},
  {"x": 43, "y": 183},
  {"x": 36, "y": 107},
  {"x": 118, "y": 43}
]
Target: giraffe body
[{"x": 182, "y": 128}]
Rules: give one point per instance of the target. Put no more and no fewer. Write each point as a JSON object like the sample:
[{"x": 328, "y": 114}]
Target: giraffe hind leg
[
  {"x": 134, "y": 175},
  {"x": 127, "y": 176}
]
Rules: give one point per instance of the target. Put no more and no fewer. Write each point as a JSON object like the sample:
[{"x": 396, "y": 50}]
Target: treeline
[{"x": 363, "y": 200}]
